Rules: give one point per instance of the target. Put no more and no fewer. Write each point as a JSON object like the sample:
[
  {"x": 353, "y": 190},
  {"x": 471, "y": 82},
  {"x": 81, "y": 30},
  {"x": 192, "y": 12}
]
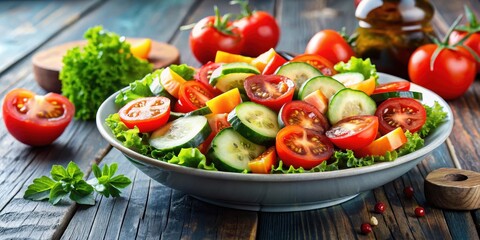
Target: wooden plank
[{"x": 27, "y": 25}]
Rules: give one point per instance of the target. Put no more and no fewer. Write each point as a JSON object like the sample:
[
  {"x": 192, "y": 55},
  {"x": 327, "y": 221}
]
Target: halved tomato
[
  {"x": 407, "y": 113},
  {"x": 36, "y": 120},
  {"x": 392, "y": 87},
  {"x": 384, "y": 144},
  {"x": 264, "y": 162},
  {"x": 303, "y": 114},
  {"x": 273, "y": 64},
  {"x": 193, "y": 95},
  {"x": 148, "y": 113},
  {"x": 269, "y": 90},
  {"x": 354, "y": 132},
  {"x": 217, "y": 122},
  {"x": 301, "y": 147},
  {"x": 321, "y": 63},
  {"x": 204, "y": 73}
]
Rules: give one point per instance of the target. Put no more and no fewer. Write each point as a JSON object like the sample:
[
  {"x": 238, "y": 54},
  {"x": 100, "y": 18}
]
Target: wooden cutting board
[{"x": 48, "y": 63}]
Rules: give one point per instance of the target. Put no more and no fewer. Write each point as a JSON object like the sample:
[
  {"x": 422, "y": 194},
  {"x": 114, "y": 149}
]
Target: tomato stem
[
  {"x": 245, "y": 10},
  {"x": 221, "y": 23},
  {"x": 444, "y": 44}
]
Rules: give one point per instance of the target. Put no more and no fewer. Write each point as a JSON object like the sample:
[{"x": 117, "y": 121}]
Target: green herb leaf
[
  {"x": 70, "y": 182},
  {"x": 40, "y": 189},
  {"x": 435, "y": 116},
  {"x": 365, "y": 67}
]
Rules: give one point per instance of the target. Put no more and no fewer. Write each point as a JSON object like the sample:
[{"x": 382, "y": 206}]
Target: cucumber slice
[
  {"x": 231, "y": 81},
  {"x": 327, "y": 85},
  {"x": 181, "y": 133},
  {"x": 349, "y": 78},
  {"x": 201, "y": 111},
  {"x": 231, "y": 152},
  {"x": 228, "y": 68},
  {"x": 380, "y": 97},
  {"x": 299, "y": 72},
  {"x": 349, "y": 102},
  {"x": 255, "y": 122}
]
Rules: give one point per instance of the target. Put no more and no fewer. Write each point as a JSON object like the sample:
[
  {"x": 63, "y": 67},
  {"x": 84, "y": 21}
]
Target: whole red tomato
[
  {"x": 330, "y": 45},
  {"x": 473, "y": 28},
  {"x": 214, "y": 33},
  {"x": 452, "y": 72},
  {"x": 36, "y": 120},
  {"x": 259, "y": 28}
]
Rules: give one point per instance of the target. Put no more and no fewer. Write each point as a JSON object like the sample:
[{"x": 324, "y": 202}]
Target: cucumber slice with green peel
[
  {"x": 181, "y": 133},
  {"x": 201, "y": 111},
  {"x": 349, "y": 102},
  {"x": 255, "y": 122},
  {"x": 231, "y": 81},
  {"x": 229, "y": 68},
  {"x": 349, "y": 78},
  {"x": 231, "y": 152},
  {"x": 327, "y": 85},
  {"x": 380, "y": 97},
  {"x": 299, "y": 72}
]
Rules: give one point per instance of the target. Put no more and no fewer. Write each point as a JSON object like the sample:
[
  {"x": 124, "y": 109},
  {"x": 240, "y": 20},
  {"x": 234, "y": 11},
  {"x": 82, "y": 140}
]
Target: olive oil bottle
[{"x": 390, "y": 30}]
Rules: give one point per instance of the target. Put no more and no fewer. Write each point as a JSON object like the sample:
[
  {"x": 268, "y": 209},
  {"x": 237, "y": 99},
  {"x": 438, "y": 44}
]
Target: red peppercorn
[
  {"x": 366, "y": 228},
  {"x": 408, "y": 191},
  {"x": 419, "y": 211},
  {"x": 379, "y": 207}
]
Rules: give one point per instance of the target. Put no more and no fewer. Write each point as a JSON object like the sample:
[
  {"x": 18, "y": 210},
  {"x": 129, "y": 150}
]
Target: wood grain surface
[{"x": 149, "y": 210}]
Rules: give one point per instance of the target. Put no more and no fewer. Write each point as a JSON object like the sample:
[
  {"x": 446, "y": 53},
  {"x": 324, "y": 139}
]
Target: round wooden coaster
[{"x": 48, "y": 63}]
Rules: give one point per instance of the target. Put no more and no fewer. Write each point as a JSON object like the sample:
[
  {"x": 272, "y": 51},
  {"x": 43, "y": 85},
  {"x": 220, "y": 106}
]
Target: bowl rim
[{"x": 252, "y": 177}]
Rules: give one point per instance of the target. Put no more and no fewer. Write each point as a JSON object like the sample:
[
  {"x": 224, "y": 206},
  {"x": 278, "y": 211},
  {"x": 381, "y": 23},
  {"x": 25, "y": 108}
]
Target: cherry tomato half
[
  {"x": 270, "y": 90},
  {"x": 303, "y": 114},
  {"x": 319, "y": 62},
  {"x": 193, "y": 95},
  {"x": 406, "y": 113},
  {"x": 148, "y": 113},
  {"x": 36, "y": 120},
  {"x": 392, "y": 87},
  {"x": 301, "y": 147},
  {"x": 330, "y": 45},
  {"x": 354, "y": 132},
  {"x": 204, "y": 73}
]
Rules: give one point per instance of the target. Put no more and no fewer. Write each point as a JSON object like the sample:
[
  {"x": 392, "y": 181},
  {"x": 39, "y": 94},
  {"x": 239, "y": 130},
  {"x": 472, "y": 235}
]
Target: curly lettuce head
[{"x": 103, "y": 66}]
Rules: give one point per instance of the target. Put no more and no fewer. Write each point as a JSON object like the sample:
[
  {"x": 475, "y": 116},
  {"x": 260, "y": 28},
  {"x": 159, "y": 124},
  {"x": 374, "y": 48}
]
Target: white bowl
[{"x": 280, "y": 192}]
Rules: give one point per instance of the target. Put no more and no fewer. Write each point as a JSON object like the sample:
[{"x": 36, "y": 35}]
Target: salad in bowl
[{"x": 265, "y": 139}]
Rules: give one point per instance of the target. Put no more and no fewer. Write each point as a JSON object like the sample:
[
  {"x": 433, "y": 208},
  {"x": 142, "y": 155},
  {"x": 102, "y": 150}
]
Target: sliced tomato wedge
[
  {"x": 264, "y": 162},
  {"x": 36, "y": 120},
  {"x": 193, "y": 95},
  {"x": 217, "y": 122},
  {"x": 407, "y": 113},
  {"x": 300, "y": 147},
  {"x": 321, "y": 63},
  {"x": 148, "y": 113},
  {"x": 318, "y": 100},
  {"x": 392, "y": 87},
  {"x": 303, "y": 114},
  {"x": 272, "y": 91},
  {"x": 354, "y": 132},
  {"x": 204, "y": 73},
  {"x": 274, "y": 64},
  {"x": 384, "y": 144}
]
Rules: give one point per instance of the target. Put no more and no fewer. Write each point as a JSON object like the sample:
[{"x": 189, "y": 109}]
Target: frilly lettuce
[
  {"x": 435, "y": 116},
  {"x": 365, "y": 67},
  {"x": 92, "y": 73}
]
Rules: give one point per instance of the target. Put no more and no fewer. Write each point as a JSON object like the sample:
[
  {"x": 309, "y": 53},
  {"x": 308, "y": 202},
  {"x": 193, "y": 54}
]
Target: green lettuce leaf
[
  {"x": 130, "y": 138},
  {"x": 365, "y": 67},
  {"x": 322, "y": 167},
  {"x": 435, "y": 116},
  {"x": 414, "y": 142},
  {"x": 185, "y": 71},
  {"x": 103, "y": 66}
]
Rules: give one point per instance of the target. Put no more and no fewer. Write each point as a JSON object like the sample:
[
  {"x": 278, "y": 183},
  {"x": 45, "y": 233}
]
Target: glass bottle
[{"x": 390, "y": 30}]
